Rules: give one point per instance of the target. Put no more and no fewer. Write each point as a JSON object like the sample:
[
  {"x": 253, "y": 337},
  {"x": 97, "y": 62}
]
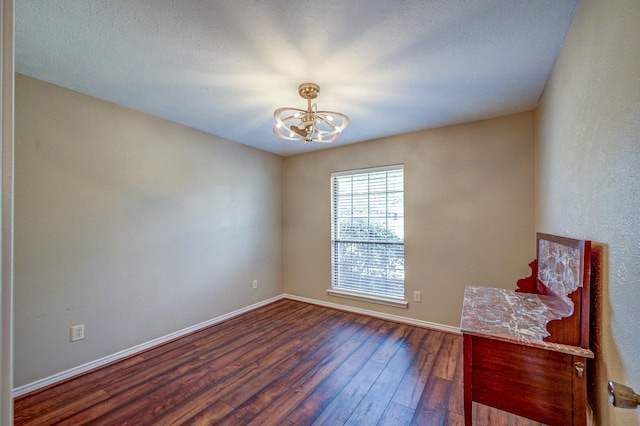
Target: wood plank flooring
[{"x": 287, "y": 363}]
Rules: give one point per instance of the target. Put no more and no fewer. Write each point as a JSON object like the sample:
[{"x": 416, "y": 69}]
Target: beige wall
[
  {"x": 131, "y": 225},
  {"x": 469, "y": 210},
  {"x": 588, "y": 175}
]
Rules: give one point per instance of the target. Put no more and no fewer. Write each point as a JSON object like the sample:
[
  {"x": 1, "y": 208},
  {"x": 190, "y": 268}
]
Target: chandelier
[{"x": 309, "y": 125}]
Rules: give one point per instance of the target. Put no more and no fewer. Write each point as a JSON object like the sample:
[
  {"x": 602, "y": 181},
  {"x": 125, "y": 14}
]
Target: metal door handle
[{"x": 622, "y": 396}]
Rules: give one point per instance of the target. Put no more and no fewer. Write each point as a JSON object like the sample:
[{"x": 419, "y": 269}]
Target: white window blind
[{"x": 367, "y": 227}]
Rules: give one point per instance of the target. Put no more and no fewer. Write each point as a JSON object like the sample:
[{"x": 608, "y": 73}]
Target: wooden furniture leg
[{"x": 468, "y": 397}]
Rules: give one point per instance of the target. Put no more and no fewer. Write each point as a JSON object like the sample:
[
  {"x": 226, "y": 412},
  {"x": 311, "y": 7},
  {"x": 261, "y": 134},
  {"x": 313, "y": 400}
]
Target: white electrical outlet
[
  {"x": 77, "y": 332},
  {"x": 255, "y": 284},
  {"x": 417, "y": 296}
]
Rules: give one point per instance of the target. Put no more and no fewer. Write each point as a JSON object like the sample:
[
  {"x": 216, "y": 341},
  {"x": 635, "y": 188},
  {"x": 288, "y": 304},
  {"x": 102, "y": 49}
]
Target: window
[{"x": 367, "y": 232}]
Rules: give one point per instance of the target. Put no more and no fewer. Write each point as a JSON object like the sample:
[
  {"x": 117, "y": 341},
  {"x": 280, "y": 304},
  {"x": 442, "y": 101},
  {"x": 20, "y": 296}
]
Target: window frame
[{"x": 351, "y": 293}]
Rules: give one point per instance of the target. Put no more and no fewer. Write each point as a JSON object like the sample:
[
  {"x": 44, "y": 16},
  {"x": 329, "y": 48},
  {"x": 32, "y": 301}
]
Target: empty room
[{"x": 296, "y": 213}]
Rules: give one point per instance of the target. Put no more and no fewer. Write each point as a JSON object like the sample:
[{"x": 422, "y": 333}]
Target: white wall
[
  {"x": 469, "y": 212},
  {"x": 131, "y": 225},
  {"x": 588, "y": 176}
]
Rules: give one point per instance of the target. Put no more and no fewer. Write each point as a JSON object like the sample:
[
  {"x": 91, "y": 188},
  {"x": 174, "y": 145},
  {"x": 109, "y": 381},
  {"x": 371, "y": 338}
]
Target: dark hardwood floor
[{"x": 287, "y": 363}]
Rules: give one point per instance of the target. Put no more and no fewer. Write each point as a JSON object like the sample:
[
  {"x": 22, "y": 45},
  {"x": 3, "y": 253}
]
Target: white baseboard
[
  {"x": 39, "y": 384},
  {"x": 390, "y": 317}
]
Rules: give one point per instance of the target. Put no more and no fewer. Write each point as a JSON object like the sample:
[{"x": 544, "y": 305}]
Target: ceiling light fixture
[{"x": 309, "y": 125}]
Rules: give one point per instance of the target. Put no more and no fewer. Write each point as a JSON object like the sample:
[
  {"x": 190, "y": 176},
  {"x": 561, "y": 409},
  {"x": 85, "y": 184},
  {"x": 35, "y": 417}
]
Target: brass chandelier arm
[{"x": 345, "y": 120}]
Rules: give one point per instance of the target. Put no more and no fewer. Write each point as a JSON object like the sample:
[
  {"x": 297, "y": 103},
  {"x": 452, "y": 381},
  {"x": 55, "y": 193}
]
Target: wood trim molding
[
  {"x": 390, "y": 317},
  {"x": 47, "y": 381},
  {"x": 368, "y": 298}
]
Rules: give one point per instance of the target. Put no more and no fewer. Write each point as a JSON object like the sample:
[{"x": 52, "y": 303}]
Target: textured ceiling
[{"x": 223, "y": 67}]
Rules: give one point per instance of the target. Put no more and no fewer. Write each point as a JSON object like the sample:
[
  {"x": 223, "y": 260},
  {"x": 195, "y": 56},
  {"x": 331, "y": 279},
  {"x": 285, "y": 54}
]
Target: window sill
[{"x": 381, "y": 300}]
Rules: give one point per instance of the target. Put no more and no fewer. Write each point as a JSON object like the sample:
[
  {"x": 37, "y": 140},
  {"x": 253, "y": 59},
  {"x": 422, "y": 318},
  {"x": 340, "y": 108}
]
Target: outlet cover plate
[{"x": 77, "y": 332}]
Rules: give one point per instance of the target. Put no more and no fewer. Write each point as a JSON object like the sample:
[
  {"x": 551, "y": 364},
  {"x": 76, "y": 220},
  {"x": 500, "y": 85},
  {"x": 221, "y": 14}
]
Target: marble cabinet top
[{"x": 521, "y": 318}]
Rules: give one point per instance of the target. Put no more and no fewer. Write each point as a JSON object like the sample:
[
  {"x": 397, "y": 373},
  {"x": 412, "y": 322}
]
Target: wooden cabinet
[
  {"x": 542, "y": 385},
  {"x": 526, "y": 353}
]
